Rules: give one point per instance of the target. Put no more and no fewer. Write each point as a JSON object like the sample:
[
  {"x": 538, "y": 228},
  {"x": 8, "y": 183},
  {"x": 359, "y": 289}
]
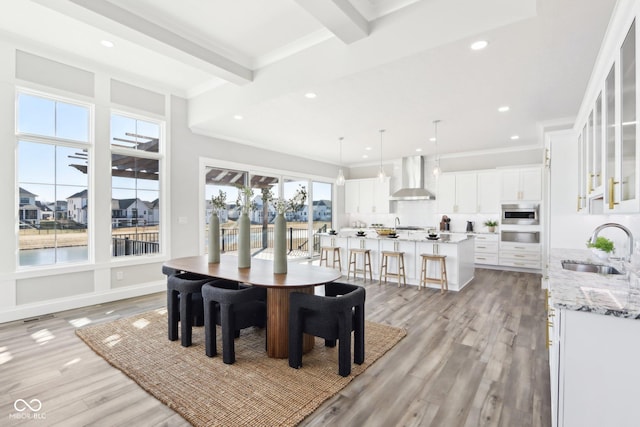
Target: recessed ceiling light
[
  {"x": 364, "y": 156},
  {"x": 368, "y": 148},
  {"x": 479, "y": 45},
  {"x": 504, "y": 108},
  {"x": 418, "y": 149},
  {"x": 106, "y": 43},
  {"x": 238, "y": 117},
  {"x": 432, "y": 139},
  {"x": 310, "y": 95},
  {"x": 514, "y": 137}
]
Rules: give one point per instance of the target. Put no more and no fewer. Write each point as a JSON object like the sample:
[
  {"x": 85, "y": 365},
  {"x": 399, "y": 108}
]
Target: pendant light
[
  {"x": 340, "y": 178},
  {"x": 381, "y": 174},
  {"x": 436, "y": 170}
]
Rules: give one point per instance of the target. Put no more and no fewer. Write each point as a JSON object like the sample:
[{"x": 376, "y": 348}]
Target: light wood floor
[{"x": 472, "y": 358}]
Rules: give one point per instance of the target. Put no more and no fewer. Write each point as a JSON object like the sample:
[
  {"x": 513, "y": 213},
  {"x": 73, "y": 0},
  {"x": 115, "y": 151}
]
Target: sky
[{"x": 45, "y": 170}]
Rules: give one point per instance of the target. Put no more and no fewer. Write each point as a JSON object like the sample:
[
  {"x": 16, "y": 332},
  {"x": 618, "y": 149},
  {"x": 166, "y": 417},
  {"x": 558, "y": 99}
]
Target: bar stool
[
  {"x": 442, "y": 280},
  {"x": 324, "y": 254},
  {"x": 400, "y": 274},
  {"x": 366, "y": 257}
]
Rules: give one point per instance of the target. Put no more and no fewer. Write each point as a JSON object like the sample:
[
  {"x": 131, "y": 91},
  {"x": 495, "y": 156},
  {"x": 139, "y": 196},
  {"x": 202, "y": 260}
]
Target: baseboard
[{"x": 27, "y": 311}]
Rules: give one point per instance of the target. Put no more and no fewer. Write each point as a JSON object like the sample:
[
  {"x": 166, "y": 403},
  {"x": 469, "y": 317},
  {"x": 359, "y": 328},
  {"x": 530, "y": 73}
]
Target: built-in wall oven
[{"x": 521, "y": 214}]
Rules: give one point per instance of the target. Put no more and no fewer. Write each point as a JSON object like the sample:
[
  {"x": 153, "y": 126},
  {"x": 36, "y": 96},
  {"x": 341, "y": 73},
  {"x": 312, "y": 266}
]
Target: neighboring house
[
  {"x": 29, "y": 212},
  {"x": 153, "y": 217},
  {"x": 257, "y": 216},
  {"x": 322, "y": 210},
  {"x": 77, "y": 207},
  {"x": 300, "y": 215},
  {"x": 33, "y": 211},
  {"x": 223, "y": 215},
  {"x": 132, "y": 212},
  {"x": 46, "y": 213},
  {"x": 60, "y": 208}
]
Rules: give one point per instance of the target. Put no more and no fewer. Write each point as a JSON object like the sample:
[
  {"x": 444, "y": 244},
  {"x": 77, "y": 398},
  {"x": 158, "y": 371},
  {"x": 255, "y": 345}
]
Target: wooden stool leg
[
  {"x": 398, "y": 266},
  {"x": 339, "y": 261},
  {"x": 369, "y": 264},
  {"x": 351, "y": 255},
  {"x": 444, "y": 275},
  {"x": 404, "y": 276},
  {"x": 323, "y": 256}
]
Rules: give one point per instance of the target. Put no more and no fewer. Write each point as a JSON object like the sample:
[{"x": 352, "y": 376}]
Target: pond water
[{"x": 48, "y": 256}]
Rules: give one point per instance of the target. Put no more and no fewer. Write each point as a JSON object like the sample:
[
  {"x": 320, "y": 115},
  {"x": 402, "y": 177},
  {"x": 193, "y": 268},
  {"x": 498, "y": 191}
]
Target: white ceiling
[{"x": 373, "y": 64}]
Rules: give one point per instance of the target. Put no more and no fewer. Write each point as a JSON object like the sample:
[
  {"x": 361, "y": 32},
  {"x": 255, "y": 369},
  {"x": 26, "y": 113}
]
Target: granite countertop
[
  {"x": 413, "y": 236},
  {"x": 608, "y": 294}
]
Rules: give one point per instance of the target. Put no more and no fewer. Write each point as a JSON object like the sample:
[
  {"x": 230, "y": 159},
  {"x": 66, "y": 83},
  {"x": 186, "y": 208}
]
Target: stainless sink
[{"x": 588, "y": 267}]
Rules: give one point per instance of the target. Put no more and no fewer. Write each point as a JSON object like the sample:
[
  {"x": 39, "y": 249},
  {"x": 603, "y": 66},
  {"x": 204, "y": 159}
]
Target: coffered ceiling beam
[
  {"x": 340, "y": 17},
  {"x": 124, "y": 24}
]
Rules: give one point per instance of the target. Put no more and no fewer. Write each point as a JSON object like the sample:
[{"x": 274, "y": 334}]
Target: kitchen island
[
  {"x": 593, "y": 326},
  {"x": 459, "y": 249}
]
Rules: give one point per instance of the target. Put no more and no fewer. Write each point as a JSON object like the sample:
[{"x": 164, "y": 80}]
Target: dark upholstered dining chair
[
  {"x": 233, "y": 310},
  {"x": 184, "y": 303},
  {"x": 332, "y": 317}
]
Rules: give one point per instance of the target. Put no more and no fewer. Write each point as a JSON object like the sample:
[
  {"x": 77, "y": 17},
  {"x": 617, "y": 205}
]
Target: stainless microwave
[{"x": 524, "y": 214}]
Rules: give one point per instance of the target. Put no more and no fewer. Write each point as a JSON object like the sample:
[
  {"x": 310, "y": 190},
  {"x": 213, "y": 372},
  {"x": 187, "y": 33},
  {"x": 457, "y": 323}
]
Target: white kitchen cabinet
[
  {"x": 366, "y": 196},
  {"x": 606, "y": 127},
  {"x": 522, "y": 184},
  {"x": 488, "y": 192},
  {"x": 623, "y": 181},
  {"x": 523, "y": 255},
  {"x": 597, "y": 372},
  {"x": 553, "y": 345},
  {"x": 487, "y": 247},
  {"x": 457, "y": 193}
]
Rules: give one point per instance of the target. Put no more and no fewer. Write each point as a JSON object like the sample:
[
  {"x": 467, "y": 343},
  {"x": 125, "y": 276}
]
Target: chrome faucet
[
  {"x": 396, "y": 223},
  {"x": 599, "y": 228}
]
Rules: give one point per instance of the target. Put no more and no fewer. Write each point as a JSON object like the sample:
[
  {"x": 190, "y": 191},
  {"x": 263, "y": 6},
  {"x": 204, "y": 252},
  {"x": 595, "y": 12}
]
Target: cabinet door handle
[
  {"x": 590, "y": 182},
  {"x": 612, "y": 182}
]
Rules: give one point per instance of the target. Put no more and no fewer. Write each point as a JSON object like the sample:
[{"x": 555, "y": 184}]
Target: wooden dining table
[{"x": 299, "y": 278}]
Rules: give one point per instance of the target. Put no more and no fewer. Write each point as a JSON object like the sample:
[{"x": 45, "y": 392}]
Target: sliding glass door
[{"x": 304, "y": 220}]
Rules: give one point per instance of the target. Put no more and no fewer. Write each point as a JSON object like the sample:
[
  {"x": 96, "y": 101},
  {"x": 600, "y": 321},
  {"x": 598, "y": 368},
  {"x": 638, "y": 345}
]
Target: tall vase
[
  {"x": 244, "y": 241},
  {"x": 280, "y": 245},
  {"x": 214, "y": 238}
]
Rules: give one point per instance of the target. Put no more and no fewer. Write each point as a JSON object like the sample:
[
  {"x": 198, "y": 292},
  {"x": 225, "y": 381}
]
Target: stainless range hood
[{"x": 412, "y": 181}]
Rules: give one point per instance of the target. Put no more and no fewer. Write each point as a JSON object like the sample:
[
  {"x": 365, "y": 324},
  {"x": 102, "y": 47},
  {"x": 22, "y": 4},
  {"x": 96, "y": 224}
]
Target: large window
[
  {"x": 302, "y": 240},
  {"x": 135, "y": 185},
  {"x": 53, "y": 202}
]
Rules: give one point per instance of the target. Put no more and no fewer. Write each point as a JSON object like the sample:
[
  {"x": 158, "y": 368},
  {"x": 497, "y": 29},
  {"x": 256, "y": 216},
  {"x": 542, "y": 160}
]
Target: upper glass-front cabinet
[
  {"x": 628, "y": 165},
  {"x": 609, "y": 170}
]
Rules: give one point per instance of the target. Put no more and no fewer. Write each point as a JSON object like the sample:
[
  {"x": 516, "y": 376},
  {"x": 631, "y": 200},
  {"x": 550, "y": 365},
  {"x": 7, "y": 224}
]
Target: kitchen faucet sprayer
[
  {"x": 397, "y": 222},
  {"x": 599, "y": 228}
]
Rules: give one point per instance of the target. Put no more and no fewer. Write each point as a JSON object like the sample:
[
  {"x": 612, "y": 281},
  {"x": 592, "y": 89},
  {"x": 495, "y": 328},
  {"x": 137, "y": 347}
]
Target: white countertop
[
  {"x": 608, "y": 294},
  {"x": 415, "y": 236}
]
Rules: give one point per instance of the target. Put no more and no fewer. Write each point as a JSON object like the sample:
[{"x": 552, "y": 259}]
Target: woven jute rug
[{"x": 254, "y": 391}]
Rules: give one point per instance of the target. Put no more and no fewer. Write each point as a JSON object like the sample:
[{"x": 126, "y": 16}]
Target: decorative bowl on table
[
  {"x": 385, "y": 231},
  {"x": 433, "y": 236}
]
